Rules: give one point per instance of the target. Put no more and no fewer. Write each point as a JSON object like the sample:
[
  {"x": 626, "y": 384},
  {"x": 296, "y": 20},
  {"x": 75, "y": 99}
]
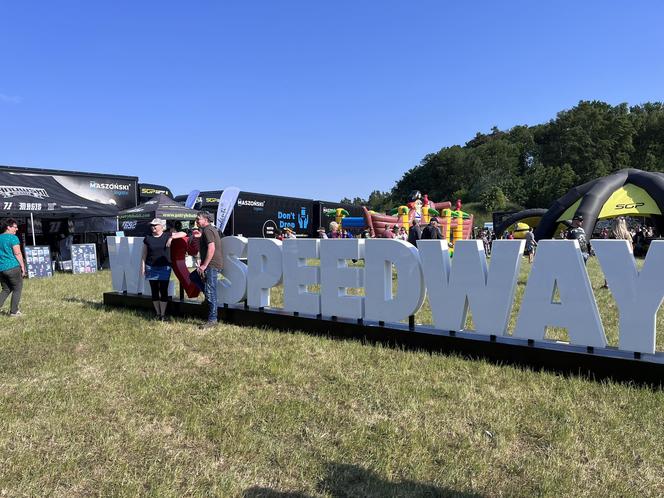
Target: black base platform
[{"x": 604, "y": 363}]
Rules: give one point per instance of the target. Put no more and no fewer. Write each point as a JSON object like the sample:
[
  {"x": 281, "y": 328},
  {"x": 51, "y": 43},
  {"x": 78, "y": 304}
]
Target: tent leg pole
[{"x": 32, "y": 222}]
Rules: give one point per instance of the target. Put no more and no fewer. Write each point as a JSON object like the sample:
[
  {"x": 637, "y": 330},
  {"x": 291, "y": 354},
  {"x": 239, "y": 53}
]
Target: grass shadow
[
  {"x": 345, "y": 481},
  {"x": 99, "y": 306},
  {"x": 96, "y": 305}
]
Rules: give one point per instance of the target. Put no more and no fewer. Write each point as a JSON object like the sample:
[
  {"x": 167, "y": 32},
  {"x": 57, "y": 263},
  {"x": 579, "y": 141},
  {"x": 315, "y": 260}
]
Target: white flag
[
  {"x": 192, "y": 198},
  {"x": 226, "y": 205}
]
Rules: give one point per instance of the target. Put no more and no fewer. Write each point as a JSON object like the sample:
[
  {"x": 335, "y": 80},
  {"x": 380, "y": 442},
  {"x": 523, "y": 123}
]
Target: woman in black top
[{"x": 156, "y": 264}]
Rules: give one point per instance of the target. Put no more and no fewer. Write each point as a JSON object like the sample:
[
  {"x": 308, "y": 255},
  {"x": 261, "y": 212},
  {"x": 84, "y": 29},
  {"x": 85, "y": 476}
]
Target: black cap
[{"x": 577, "y": 217}]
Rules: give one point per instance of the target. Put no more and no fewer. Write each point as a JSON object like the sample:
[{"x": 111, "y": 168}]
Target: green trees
[
  {"x": 648, "y": 139},
  {"x": 379, "y": 201},
  {"x": 534, "y": 165},
  {"x": 493, "y": 199}
]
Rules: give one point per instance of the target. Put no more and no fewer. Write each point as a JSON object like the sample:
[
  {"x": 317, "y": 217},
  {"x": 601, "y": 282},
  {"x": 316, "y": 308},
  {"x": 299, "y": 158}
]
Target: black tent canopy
[
  {"x": 136, "y": 220},
  {"x": 42, "y": 196}
]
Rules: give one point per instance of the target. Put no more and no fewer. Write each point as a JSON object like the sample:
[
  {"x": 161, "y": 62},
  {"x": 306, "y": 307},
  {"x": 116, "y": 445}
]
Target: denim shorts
[{"x": 157, "y": 272}]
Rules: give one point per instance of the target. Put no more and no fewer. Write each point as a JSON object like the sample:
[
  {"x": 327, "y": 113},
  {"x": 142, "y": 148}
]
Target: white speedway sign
[{"x": 454, "y": 286}]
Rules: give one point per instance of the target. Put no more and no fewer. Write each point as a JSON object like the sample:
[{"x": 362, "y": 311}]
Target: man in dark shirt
[
  {"x": 211, "y": 263},
  {"x": 579, "y": 234},
  {"x": 431, "y": 231},
  {"x": 415, "y": 232}
]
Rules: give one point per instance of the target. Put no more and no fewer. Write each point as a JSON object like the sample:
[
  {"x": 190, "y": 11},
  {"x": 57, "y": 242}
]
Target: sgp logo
[{"x": 630, "y": 205}]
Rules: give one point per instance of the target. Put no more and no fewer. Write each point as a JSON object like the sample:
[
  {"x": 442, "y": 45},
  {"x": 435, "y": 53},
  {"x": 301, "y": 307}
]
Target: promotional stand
[
  {"x": 84, "y": 258},
  {"x": 38, "y": 261}
]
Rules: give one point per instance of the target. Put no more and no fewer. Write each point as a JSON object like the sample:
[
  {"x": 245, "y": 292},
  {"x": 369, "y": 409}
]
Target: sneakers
[
  {"x": 16, "y": 315},
  {"x": 208, "y": 325}
]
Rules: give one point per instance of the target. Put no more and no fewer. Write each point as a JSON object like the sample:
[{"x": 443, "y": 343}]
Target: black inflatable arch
[
  {"x": 594, "y": 195},
  {"x": 526, "y": 214}
]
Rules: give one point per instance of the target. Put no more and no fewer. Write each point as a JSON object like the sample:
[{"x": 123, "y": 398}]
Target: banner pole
[{"x": 32, "y": 222}]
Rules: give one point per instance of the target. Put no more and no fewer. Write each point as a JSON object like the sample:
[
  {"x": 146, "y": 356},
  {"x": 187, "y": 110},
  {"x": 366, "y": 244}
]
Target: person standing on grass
[
  {"x": 12, "y": 266},
  {"x": 486, "y": 241},
  {"x": 579, "y": 234},
  {"x": 415, "y": 232},
  {"x": 619, "y": 231},
  {"x": 431, "y": 231},
  {"x": 387, "y": 232},
  {"x": 334, "y": 230},
  {"x": 531, "y": 244},
  {"x": 212, "y": 262},
  {"x": 402, "y": 234},
  {"x": 156, "y": 264}
]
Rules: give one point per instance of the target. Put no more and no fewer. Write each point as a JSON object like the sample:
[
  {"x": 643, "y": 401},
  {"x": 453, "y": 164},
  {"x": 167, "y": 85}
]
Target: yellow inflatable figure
[
  {"x": 519, "y": 230},
  {"x": 340, "y": 214}
]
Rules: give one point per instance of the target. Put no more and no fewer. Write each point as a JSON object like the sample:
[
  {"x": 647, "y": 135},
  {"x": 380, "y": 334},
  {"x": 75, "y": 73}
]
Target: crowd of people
[
  {"x": 639, "y": 233},
  {"x": 633, "y": 229},
  {"x": 386, "y": 231},
  {"x": 205, "y": 240}
]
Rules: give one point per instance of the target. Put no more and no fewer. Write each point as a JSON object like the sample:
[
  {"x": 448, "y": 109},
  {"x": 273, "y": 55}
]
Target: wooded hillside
[{"x": 533, "y": 165}]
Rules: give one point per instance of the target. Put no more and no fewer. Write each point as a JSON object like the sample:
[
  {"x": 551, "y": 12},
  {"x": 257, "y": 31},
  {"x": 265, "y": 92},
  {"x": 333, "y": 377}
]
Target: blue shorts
[{"x": 157, "y": 272}]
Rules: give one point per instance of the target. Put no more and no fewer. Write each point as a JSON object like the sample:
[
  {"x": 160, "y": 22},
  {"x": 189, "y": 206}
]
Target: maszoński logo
[
  {"x": 7, "y": 191},
  {"x": 109, "y": 186},
  {"x": 252, "y": 203}
]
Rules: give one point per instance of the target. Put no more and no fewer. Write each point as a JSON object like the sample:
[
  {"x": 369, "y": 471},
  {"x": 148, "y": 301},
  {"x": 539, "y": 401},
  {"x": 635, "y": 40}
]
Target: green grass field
[{"x": 97, "y": 401}]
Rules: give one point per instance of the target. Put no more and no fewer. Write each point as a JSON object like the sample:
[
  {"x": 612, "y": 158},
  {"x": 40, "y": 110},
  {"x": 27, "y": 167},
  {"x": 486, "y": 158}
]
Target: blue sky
[{"x": 303, "y": 98}]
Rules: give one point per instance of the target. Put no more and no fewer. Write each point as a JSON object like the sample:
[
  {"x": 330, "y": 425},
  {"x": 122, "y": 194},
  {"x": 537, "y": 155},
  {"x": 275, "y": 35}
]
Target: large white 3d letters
[
  {"x": 336, "y": 277},
  {"x": 297, "y": 276},
  {"x": 125, "y": 255},
  {"x": 559, "y": 264},
  {"x": 637, "y": 294},
  {"x": 456, "y": 286},
  {"x": 265, "y": 269},
  {"x": 380, "y": 303},
  {"x": 466, "y": 282},
  {"x": 233, "y": 288}
]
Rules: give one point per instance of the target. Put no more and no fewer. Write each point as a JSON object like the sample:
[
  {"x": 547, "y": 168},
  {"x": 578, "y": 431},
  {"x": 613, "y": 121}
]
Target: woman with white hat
[{"x": 156, "y": 264}]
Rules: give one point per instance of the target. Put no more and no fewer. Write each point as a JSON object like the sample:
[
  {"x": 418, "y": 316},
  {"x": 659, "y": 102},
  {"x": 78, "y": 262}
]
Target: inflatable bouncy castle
[{"x": 455, "y": 224}]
